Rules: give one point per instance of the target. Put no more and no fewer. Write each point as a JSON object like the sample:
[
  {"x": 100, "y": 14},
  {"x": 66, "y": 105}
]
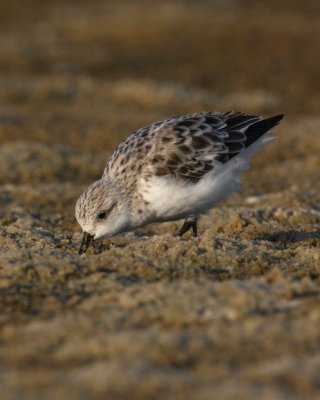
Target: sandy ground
[{"x": 234, "y": 313}]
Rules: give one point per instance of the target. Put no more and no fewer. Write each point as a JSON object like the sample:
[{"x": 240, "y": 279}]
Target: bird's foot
[{"x": 189, "y": 223}]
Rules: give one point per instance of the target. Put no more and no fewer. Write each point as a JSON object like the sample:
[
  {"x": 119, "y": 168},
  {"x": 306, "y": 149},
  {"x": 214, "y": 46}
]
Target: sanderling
[{"x": 172, "y": 169}]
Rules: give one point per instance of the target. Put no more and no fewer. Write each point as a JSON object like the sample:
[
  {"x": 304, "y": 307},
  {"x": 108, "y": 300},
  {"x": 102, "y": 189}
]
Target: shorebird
[{"x": 172, "y": 169}]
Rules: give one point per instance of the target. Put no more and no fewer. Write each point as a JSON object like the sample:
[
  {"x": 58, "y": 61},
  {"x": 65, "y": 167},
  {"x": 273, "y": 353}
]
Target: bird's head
[{"x": 102, "y": 211}]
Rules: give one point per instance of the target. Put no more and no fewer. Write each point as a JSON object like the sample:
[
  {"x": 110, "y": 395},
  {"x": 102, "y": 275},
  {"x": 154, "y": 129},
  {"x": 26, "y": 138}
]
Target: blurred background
[
  {"x": 79, "y": 76},
  {"x": 234, "y": 313},
  {"x": 86, "y": 73}
]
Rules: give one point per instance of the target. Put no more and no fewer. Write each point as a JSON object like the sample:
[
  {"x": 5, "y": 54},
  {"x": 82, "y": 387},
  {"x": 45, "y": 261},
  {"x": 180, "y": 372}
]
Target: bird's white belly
[{"x": 170, "y": 199}]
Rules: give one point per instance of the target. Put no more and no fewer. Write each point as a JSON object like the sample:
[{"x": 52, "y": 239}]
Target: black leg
[
  {"x": 195, "y": 227},
  {"x": 189, "y": 223}
]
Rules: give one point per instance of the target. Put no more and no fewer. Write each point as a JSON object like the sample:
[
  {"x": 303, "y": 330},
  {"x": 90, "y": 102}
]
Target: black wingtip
[
  {"x": 277, "y": 118},
  {"x": 257, "y": 129},
  {"x": 268, "y": 123}
]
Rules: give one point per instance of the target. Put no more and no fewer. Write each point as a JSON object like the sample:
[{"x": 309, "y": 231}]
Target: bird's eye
[{"x": 102, "y": 215}]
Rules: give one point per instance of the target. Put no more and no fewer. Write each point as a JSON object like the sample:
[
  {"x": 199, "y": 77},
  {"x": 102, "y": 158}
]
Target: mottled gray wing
[{"x": 188, "y": 147}]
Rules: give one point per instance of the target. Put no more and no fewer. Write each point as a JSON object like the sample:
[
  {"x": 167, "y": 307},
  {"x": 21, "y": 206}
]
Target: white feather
[{"x": 170, "y": 199}]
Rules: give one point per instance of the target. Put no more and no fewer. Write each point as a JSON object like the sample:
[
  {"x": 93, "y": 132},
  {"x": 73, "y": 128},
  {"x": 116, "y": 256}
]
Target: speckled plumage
[{"x": 172, "y": 169}]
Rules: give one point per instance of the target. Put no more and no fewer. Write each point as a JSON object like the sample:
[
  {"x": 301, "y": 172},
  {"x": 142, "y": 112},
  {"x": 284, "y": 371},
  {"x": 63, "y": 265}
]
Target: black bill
[{"x": 86, "y": 240}]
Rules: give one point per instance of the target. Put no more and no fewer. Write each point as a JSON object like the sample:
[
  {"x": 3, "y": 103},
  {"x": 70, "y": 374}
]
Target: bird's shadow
[{"x": 289, "y": 236}]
